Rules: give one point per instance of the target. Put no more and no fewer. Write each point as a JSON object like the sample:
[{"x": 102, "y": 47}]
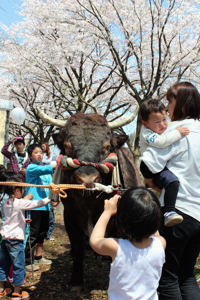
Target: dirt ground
[{"x": 50, "y": 282}]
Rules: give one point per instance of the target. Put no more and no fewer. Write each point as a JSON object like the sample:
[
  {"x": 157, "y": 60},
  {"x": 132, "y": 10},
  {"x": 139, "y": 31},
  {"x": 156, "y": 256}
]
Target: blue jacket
[{"x": 39, "y": 175}]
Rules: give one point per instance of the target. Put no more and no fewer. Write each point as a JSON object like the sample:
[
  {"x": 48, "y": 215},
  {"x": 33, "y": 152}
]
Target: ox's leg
[{"x": 77, "y": 240}]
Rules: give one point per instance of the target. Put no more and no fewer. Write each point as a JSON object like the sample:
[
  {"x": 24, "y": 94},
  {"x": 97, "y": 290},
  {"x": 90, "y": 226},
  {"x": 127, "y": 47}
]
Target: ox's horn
[
  {"x": 125, "y": 121},
  {"x": 113, "y": 125},
  {"x": 49, "y": 120}
]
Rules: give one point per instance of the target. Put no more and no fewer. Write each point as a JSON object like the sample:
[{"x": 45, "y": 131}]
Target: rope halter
[{"x": 67, "y": 163}]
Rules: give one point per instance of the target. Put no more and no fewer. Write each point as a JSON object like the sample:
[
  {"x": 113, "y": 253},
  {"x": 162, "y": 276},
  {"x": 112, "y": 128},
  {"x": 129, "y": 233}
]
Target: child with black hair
[
  {"x": 38, "y": 174},
  {"x": 154, "y": 120},
  {"x": 13, "y": 235},
  {"x": 138, "y": 257}
]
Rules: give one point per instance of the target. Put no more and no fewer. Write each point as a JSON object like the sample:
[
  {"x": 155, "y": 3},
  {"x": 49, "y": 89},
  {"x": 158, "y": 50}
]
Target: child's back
[
  {"x": 137, "y": 259},
  {"x": 135, "y": 272}
]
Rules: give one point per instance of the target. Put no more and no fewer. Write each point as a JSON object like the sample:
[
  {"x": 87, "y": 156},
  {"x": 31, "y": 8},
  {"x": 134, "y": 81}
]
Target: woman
[
  {"x": 47, "y": 157},
  {"x": 183, "y": 159}
]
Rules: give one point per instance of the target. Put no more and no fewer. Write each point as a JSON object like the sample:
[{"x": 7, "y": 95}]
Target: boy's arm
[
  {"x": 5, "y": 151},
  {"x": 98, "y": 242},
  {"x": 38, "y": 170},
  {"x": 163, "y": 140}
]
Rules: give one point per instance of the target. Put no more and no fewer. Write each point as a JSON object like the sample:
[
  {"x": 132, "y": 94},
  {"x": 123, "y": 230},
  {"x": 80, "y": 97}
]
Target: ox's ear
[
  {"x": 118, "y": 140},
  {"x": 58, "y": 140}
]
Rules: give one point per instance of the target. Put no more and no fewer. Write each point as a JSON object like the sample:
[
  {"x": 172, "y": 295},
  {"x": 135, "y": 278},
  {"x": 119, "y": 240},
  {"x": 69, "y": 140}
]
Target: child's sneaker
[
  {"x": 42, "y": 261},
  {"x": 22, "y": 295},
  {"x": 172, "y": 218},
  {"x": 30, "y": 268},
  {"x": 5, "y": 292}
]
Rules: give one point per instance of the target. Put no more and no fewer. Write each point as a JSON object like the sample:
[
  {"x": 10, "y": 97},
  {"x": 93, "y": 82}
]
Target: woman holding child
[{"x": 182, "y": 159}]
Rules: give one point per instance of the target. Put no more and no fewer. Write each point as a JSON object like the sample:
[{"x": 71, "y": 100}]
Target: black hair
[
  {"x": 187, "y": 101},
  {"x": 8, "y": 176},
  {"x": 32, "y": 147},
  {"x": 138, "y": 214},
  {"x": 149, "y": 106},
  {"x": 8, "y": 189}
]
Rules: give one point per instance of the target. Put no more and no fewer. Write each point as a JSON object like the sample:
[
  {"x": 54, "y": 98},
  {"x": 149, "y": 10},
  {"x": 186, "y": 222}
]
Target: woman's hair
[
  {"x": 48, "y": 152},
  {"x": 187, "y": 101},
  {"x": 149, "y": 106},
  {"x": 138, "y": 214},
  {"x": 8, "y": 176}
]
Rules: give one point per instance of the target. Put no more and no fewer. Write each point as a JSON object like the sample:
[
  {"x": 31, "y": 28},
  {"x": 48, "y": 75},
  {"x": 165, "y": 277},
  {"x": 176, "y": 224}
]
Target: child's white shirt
[
  {"x": 15, "y": 224},
  {"x": 151, "y": 138},
  {"x": 135, "y": 272}
]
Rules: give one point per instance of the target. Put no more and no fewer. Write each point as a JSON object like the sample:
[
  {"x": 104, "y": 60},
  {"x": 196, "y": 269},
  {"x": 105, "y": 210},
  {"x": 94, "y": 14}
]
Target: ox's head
[{"x": 87, "y": 138}]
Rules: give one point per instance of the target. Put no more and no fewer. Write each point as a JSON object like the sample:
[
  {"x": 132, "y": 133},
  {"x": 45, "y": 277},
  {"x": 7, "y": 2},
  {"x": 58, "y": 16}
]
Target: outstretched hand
[
  {"x": 55, "y": 203},
  {"x": 111, "y": 205}
]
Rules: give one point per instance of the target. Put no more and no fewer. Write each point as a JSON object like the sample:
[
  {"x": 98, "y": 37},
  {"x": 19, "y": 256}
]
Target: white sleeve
[
  {"x": 162, "y": 140},
  {"x": 46, "y": 159},
  {"x": 30, "y": 204}
]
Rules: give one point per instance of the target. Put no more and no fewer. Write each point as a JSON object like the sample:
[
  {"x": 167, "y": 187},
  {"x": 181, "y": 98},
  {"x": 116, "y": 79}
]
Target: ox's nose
[{"x": 87, "y": 180}]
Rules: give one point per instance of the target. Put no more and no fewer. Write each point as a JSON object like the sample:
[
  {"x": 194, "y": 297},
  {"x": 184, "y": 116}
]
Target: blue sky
[{"x": 8, "y": 9}]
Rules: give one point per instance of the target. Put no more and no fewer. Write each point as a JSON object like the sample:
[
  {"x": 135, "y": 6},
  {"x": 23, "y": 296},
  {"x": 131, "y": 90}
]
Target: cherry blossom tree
[
  {"x": 49, "y": 72},
  {"x": 153, "y": 43}
]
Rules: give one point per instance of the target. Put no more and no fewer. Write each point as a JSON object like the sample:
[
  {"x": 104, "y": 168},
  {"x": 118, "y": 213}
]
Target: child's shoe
[
  {"x": 49, "y": 239},
  {"x": 30, "y": 268},
  {"x": 172, "y": 218},
  {"x": 42, "y": 261},
  {"x": 22, "y": 295},
  {"x": 5, "y": 292}
]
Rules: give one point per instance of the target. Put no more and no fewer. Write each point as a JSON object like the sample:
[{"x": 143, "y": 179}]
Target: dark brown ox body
[{"x": 89, "y": 138}]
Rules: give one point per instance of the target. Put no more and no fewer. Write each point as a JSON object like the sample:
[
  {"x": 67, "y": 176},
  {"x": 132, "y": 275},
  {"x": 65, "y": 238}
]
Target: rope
[
  {"x": 55, "y": 188},
  {"x": 103, "y": 188},
  {"x": 67, "y": 163}
]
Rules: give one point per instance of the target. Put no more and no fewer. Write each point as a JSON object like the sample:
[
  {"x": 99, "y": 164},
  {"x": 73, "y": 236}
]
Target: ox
[{"x": 88, "y": 138}]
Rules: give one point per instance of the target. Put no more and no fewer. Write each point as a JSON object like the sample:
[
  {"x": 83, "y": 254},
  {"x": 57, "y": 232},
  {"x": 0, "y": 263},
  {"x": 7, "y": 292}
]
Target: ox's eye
[
  {"x": 106, "y": 147},
  {"x": 68, "y": 148}
]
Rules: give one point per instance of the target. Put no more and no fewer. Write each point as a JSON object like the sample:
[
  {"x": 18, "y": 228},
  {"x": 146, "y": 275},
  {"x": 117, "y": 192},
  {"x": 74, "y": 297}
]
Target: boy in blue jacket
[{"x": 38, "y": 174}]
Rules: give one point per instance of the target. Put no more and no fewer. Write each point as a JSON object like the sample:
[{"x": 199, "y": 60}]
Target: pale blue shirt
[{"x": 39, "y": 175}]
